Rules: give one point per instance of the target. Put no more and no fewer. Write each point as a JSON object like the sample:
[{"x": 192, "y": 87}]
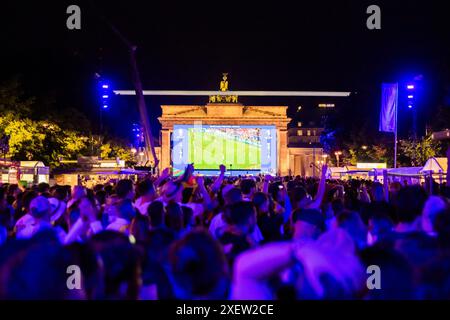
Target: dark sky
[{"x": 313, "y": 45}]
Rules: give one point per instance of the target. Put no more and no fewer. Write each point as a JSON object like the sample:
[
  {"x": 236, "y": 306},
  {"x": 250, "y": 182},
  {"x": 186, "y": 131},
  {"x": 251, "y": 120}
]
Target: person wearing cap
[
  {"x": 40, "y": 211},
  {"x": 58, "y": 208}
]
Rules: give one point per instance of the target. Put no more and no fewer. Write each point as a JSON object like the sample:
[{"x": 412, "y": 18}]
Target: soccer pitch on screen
[
  {"x": 237, "y": 148},
  {"x": 242, "y": 149}
]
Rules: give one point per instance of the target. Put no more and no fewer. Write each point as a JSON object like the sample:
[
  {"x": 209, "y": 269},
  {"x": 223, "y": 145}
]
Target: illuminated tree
[
  {"x": 417, "y": 152},
  {"x": 62, "y": 135}
]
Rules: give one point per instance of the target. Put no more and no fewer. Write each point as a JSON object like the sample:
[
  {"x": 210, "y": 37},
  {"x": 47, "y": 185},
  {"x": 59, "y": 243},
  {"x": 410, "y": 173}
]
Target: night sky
[{"x": 314, "y": 45}]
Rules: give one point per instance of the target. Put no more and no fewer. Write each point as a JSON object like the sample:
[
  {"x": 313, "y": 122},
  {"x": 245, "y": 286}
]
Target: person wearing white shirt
[{"x": 146, "y": 193}]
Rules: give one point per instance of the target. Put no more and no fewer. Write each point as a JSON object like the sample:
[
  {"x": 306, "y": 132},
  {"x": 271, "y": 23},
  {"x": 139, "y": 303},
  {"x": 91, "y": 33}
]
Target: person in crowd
[
  {"x": 156, "y": 212},
  {"x": 125, "y": 190},
  {"x": 396, "y": 274},
  {"x": 269, "y": 222},
  {"x": 236, "y": 236},
  {"x": 174, "y": 219},
  {"x": 380, "y": 226},
  {"x": 308, "y": 224},
  {"x": 40, "y": 217},
  {"x": 248, "y": 189},
  {"x": 198, "y": 268},
  {"x": 431, "y": 209},
  {"x": 122, "y": 265},
  {"x": 353, "y": 224},
  {"x": 146, "y": 194},
  {"x": 123, "y": 215}
]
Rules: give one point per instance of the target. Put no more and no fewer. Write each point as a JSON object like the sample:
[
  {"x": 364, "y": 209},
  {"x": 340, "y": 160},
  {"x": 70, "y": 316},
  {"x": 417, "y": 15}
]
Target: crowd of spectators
[{"x": 194, "y": 237}]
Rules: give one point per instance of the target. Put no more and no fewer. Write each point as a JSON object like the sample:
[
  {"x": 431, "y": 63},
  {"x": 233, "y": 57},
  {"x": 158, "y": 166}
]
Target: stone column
[
  {"x": 165, "y": 149},
  {"x": 292, "y": 166},
  {"x": 283, "y": 153}
]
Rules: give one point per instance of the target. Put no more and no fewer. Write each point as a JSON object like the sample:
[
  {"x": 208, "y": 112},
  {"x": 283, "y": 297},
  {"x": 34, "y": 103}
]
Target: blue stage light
[{"x": 410, "y": 87}]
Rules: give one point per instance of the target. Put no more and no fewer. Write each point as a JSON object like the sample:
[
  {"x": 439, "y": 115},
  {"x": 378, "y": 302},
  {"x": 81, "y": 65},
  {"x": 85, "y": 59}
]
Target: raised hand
[
  {"x": 87, "y": 210},
  {"x": 223, "y": 169},
  {"x": 200, "y": 181}
]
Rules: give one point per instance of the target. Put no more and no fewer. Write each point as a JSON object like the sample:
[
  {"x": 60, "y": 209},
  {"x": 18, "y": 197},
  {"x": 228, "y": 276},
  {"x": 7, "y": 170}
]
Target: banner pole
[{"x": 395, "y": 132}]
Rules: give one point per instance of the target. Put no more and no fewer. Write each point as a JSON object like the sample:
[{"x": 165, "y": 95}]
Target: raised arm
[
  {"x": 216, "y": 185},
  {"x": 287, "y": 207},
  {"x": 254, "y": 268},
  {"x": 163, "y": 176},
  {"x": 267, "y": 179},
  {"x": 321, "y": 191},
  {"x": 87, "y": 221},
  {"x": 207, "y": 202}
]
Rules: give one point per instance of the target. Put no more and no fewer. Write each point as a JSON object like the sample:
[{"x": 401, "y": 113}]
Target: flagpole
[{"x": 395, "y": 132}]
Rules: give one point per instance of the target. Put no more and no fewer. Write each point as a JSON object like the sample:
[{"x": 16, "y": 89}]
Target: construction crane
[{"x": 149, "y": 143}]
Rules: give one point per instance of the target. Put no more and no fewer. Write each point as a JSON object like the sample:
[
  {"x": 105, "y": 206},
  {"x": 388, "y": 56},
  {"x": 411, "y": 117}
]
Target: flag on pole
[{"x": 389, "y": 102}]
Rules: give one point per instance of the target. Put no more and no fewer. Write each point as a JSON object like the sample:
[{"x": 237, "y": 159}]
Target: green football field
[{"x": 208, "y": 150}]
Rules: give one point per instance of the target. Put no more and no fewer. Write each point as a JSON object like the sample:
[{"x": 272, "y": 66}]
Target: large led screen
[{"x": 242, "y": 149}]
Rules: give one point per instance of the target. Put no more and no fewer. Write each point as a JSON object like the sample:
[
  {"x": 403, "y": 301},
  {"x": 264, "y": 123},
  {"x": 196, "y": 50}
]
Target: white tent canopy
[{"x": 435, "y": 165}]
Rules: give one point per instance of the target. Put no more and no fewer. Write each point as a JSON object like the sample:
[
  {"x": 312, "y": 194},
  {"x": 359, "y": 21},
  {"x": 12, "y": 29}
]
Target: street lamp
[
  {"x": 338, "y": 154},
  {"x": 364, "y": 147}
]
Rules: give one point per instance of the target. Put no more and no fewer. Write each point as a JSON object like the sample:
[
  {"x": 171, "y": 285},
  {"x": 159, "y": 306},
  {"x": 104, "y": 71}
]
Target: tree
[
  {"x": 417, "y": 152},
  {"x": 116, "y": 149},
  {"x": 40, "y": 140},
  {"x": 63, "y": 134}
]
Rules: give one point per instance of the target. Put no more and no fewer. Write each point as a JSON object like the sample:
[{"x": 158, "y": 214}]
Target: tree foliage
[
  {"x": 61, "y": 135},
  {"x": 417, "y": 152}
]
